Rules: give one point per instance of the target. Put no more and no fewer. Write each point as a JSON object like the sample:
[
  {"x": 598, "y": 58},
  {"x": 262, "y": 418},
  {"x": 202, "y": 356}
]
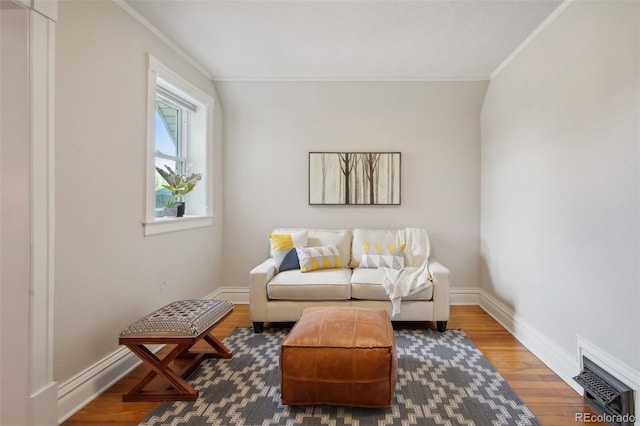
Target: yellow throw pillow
[
  {"x": 283, "y": 249},
  {"x": 375, "y": 255},
  {"x": 315, "y": 258}
]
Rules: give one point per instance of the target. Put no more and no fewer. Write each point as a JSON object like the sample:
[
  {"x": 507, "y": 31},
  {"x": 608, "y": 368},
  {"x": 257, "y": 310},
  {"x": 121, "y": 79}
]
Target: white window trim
[{"x": 158, "y": 74}]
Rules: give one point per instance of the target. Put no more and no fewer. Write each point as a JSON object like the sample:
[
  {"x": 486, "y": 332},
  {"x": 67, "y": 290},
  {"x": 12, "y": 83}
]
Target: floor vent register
[{"x": 606, "y": 395}]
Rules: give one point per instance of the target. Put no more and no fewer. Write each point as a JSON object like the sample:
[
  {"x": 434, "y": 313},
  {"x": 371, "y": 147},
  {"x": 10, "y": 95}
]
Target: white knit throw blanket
[{"x": 399, "y": 283}]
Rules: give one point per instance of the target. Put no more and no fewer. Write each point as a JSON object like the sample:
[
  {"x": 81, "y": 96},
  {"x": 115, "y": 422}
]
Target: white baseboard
[
  {"x": 564, "y": 364},
  {"x": 237, "y": 295},
  {"x": 555, "y": 357},
  {"x": 464, "y": 296},
  {"x": 85, "y": 386}
]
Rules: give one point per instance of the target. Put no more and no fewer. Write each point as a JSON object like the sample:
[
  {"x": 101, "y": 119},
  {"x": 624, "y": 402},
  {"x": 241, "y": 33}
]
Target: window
[
  {"x": 172, "y": 139},
  {"x": 177, "y": 136}
]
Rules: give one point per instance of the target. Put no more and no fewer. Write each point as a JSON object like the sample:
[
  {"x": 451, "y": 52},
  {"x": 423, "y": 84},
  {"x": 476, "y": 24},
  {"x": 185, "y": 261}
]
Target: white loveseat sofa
[{"x": 339, "y": 267}]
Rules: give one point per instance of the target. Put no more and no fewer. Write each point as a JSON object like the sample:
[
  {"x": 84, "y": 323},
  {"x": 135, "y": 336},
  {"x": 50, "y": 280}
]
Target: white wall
[
  {"x": 560, "y": 182},
  {"x": 107, "y": 273},
  {"x": 270, "y": 127}
]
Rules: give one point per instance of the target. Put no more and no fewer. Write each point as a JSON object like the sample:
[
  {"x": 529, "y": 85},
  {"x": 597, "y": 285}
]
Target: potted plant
[
  {"x": 170, "y": 209},
  {"x": 179, "y": 184}
]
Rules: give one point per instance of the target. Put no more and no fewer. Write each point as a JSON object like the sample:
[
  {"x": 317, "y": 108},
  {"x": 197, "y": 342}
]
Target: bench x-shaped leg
[{"x": 182, "y": 391}]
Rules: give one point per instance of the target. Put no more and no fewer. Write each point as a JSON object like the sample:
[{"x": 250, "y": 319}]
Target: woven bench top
[{"x": 184, "y": 317}]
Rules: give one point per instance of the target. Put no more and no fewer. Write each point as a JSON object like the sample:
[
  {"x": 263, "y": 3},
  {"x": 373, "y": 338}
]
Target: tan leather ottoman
[{"x": 339, "y": 356}]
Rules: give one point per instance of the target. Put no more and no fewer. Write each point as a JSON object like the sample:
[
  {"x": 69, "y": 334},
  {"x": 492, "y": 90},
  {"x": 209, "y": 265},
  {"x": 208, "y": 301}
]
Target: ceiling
[{"x": 347, "y": 40}]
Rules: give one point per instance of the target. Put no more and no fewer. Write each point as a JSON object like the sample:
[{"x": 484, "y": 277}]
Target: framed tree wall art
[{"x": 354, "y": 178}]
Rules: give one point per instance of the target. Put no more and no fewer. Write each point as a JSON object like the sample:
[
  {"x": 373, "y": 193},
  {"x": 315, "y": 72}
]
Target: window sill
[{"x": 163, "y": 225}]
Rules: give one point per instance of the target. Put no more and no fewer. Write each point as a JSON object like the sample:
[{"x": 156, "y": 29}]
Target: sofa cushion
[
  {"x": 325, "y": 284},
  {"x": 366, "y": 284},
  {"x": 319, "y": 237},
  {"x": 283, "y": 249}
]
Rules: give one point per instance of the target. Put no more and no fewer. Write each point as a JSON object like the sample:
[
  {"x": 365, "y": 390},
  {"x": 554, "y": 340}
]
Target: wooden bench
[{"x": 183, "y": 324}]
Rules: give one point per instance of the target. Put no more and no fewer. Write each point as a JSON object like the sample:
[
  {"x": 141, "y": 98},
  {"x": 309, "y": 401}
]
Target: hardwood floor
[{"x": 551, "y": 400}]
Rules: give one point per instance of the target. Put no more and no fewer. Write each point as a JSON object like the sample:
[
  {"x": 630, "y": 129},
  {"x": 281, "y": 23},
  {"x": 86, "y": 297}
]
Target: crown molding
[
  {"x": 547, "y": 22},
  {"x": 348, "y": 79},
  {"x": 149, "y": 26}
]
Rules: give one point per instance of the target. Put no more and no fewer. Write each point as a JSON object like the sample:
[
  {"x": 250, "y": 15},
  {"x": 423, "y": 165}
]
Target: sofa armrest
[
  {"x": 441, "y": 287},
  {"x": 258, "y": 279}
]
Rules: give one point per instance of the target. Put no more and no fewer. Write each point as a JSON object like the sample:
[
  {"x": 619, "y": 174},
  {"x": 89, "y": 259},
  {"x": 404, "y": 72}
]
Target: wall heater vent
[{"x": 606, "y": 395}]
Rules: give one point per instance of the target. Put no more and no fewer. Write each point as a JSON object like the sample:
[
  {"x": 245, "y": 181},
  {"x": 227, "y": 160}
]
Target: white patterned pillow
[
  {"x": 314, "y": 258},
  {"x": 382, "y": 255}
]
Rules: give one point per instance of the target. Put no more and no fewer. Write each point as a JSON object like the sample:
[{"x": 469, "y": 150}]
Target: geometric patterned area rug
[{"x": 443, "y": 379}]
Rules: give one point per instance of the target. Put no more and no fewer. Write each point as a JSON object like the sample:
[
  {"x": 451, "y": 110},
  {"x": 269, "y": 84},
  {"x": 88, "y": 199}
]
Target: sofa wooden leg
[
  {"x": 442, "y": 326},
  {"x": 258, "y": 327}
]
